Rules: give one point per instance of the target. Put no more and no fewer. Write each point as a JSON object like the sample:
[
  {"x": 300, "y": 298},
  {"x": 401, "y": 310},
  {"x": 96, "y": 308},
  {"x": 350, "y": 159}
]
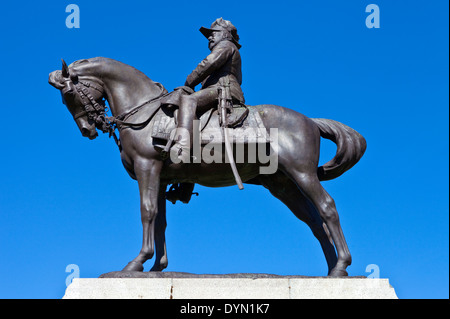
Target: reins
[
  {"x": 120, "y": 118},
  {"x": 108, "y": 124}
]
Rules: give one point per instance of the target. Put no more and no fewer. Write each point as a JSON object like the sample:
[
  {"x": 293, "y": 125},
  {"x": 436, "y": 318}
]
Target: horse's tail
[{"x": 350, "y": 148}]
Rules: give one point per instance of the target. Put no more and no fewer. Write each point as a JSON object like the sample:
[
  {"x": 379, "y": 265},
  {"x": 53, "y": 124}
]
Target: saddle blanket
[{"x": 250, "y": 129}]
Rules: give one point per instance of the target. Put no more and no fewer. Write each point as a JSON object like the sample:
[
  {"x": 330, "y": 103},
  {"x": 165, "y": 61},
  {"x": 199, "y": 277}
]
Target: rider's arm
[{"x": 214, "y": 61}]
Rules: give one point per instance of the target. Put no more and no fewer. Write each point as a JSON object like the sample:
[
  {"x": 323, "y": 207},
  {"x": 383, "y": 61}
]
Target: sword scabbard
[{"x": 222, "y": 108}]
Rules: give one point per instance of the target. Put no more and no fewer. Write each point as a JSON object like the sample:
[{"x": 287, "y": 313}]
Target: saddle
[
  {"x": 244, "y": 121},
  {"x": 245, "y": 126}
]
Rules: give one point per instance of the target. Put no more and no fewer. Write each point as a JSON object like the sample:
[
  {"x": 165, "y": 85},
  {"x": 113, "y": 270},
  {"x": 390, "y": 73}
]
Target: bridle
[{"x": 97, "y": 111}]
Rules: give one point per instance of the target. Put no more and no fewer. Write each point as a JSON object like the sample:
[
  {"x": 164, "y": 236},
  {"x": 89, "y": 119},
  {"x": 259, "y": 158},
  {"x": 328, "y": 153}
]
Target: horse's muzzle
[{"x": 91, "y": 134}]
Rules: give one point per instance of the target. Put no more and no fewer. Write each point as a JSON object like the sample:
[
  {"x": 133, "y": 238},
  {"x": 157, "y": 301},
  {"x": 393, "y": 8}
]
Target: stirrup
[
  {"x": 165, "y": 152},
  {"x": 181, "y": 192}
]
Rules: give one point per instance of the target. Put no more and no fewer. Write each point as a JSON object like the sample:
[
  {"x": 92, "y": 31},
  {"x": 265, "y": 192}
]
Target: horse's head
[
  {"x": 86, "y": 84},
  {"x": 83, "y": 95}
]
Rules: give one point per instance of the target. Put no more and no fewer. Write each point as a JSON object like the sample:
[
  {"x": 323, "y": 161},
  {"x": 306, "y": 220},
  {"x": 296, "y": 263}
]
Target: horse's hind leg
[
  {"x": 285, "y": 190},
  {"x": 313, "y": 190}
]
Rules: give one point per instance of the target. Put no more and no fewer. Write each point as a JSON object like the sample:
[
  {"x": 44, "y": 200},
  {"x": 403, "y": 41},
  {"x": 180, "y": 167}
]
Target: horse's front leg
[
  {"x": 148, "y": 175},
  {"x": 160, "y": 232}
]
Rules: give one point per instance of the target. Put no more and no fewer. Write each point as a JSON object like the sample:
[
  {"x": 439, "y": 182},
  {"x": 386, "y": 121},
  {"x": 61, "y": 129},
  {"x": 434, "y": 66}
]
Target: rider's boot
[{"x": 180, "y": 151}]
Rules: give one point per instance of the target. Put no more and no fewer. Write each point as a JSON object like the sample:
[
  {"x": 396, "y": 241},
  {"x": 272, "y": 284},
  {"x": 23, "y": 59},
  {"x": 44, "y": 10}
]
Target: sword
[{"x": 224, "y": 105}]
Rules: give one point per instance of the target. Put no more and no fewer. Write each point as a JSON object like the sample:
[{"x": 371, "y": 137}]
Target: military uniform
[
  {"x": 224, "y": 60},
  {"x": 222, "y": 66}
]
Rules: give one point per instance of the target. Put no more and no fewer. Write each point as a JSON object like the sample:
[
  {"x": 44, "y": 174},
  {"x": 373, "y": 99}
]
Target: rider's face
[{"x": 215, "y": 38}]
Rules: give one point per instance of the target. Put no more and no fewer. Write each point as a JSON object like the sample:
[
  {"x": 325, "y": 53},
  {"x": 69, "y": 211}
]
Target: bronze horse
[{"x": 133, "y": 98}]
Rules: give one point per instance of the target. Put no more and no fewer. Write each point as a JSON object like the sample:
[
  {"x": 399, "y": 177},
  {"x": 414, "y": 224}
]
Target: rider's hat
[{"x": 220, "y": 25}]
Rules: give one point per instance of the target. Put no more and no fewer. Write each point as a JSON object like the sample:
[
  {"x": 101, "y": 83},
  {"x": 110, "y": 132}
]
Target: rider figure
[{"x": 223, "y": 61}]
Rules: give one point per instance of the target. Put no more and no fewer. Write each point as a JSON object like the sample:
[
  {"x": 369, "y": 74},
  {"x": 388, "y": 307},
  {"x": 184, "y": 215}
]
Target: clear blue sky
[{"x": 67, "y": 200}]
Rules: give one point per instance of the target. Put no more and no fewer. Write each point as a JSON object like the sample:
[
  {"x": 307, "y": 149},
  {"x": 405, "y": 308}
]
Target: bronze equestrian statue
[{"x": 135, "y": 102}]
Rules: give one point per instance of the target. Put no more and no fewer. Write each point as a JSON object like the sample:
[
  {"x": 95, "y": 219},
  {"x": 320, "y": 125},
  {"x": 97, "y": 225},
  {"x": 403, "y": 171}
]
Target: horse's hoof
[
  {"x": 134, "y": 266},
  {"x": 338, "y": 273},
  {"x": 160, "y": 266},
  {"x": 157, "y": 268}
]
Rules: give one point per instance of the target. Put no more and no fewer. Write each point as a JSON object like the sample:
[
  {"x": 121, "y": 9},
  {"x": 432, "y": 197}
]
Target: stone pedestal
[{"x": 168, "y": 285}]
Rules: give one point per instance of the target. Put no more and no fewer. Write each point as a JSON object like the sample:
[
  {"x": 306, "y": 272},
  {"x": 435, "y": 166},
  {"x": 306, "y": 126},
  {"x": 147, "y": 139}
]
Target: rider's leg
[
  {"x": 198, "y": 102},
  {"x": 206, "y": 99},
  {"x": 183, "y": 134}
]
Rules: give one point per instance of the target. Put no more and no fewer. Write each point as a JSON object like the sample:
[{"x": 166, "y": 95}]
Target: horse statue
[{"x": 134, "y": 102}]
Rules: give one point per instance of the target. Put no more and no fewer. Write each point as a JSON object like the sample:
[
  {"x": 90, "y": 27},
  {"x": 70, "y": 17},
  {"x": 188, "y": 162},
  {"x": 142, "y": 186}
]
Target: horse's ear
[{"x": 65, "y": 69}]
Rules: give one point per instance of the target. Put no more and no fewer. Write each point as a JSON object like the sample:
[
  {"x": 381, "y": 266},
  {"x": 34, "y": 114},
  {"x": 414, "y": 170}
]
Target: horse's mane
[{"x": 83, "y": 66}]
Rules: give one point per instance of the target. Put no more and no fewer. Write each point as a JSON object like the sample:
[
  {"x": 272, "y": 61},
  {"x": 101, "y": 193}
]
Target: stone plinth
[{"x": 167, "y": 285}]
